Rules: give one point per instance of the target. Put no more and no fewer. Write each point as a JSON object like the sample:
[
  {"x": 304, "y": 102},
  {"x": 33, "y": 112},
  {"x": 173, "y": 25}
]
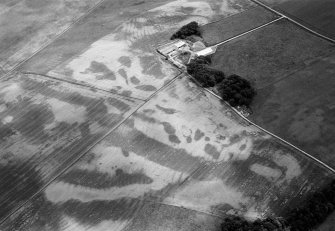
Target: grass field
[
  {"x": 270, "y": 54},
  {"x": 319, "y": 15},
  {"x": 328, "y": 225},
  {"x": 300, "y": 108},
  {"x": 236, "y": 24}
]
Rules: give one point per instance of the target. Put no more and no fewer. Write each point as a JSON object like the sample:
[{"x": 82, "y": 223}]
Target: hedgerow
[
  {"x": 309, "y": 215},
  {"x": 240, "y": 224}
]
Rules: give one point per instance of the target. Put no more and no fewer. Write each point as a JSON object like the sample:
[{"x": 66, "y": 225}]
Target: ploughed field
[
  {"x": 99, "y": 132},
  {"x": 183, "y": 151}
]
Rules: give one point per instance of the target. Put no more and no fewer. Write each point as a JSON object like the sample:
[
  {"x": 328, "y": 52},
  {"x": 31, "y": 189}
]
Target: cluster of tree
[
  {"x": 233, "y": 89},
  {"x": 206, "y": 76},
  {"x": 240, "y": 224},
  {"x": 236, "y": 91},
  {"x": 189, "y": 29},
  {"x": 314, "y": 210}
]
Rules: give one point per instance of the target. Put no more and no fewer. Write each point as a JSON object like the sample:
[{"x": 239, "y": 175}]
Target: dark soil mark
[
  {"x": 33, "y": 118},
  {"x": 212, "y": 151},
  {"x": 126, "y": 93},
  {"x": 174, "y": 139},
  {"x": 125, "y": 60},
  {"x": 138, "y": 3},
  {"x": 122, "y": 209},
  {"x": 168, "y": 128},
  {"x": 71, "y": 98},
  {"x": 146, "y": 88},
  {"x": 98, "y": 112},
  {"x": 5, "y": 132},
  {"x": 135, "y": 80},
  {"x": 84, "y": 129},
  {"x": 187, "y": 10},
  {"x": 99, "y": 180},
  {"x": 235, "y": 138},
  {"x": 125, "y": 153},
  {"x": 166, "y": 110},
  {"x": 198, "y": 135},
  {"x": 97, "y": 67},
  {"x": 243, "y": 147},
  {"x": 145, "y": 118},
  {"x": 124, "y": 75},
  {"x": 149, "y": 111},
  {"x": 189, "y": 139},
  {"x": 40, "y": 214},
  {"x": 156, "y": 151},
  {"x": 119, "y": 104},
  {"x": 150, "y": 68}
]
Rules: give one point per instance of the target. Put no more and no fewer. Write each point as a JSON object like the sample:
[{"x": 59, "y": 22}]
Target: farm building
[{"x": 181, "y": 52}]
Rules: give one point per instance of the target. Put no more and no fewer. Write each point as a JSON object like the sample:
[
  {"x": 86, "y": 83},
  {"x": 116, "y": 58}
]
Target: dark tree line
[
  {"x": 314, "y": 211},
  {"x": 189, "y": 29},
  {"x": 308, "y": 216},
  {"x": 233, "y": 89},
  {"x": 240, "y": 224}
]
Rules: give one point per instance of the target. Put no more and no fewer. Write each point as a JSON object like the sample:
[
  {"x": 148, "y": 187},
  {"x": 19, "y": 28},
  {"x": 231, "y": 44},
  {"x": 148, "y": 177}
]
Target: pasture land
[
  {"x": 317, "y": 15},
  {"x": 271, "y": 53},
  {"x": 236, "y": 24}
]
